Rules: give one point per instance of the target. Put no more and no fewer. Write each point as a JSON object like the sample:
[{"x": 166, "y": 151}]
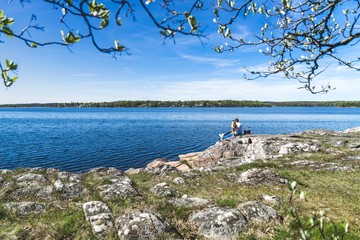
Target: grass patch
[
  {"x": 337, "y": 193},
  {"x": 106, "y": 181},
  {"x": 142, "y": 180},
  {"x": 227, "y": 202},
  {"x": 172, "y": 211},
  {"x": 257, "y": 164}
]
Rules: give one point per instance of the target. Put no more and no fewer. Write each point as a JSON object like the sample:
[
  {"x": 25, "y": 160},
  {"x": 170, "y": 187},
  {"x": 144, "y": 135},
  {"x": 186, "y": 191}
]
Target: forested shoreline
[{"x": 197, "y": 103}]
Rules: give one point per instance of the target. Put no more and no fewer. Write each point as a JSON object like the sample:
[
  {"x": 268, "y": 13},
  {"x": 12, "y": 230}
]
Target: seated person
[{"x": 236, "y": 129}]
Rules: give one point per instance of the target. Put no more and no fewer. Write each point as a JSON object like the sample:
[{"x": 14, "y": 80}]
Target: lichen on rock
[
  {"x": 141, "y": 224},
  {"x": 219, "y": 223}
]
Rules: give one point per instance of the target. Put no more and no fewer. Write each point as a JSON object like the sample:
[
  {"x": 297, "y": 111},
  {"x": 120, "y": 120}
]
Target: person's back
[{"x": 238, "y": 130}]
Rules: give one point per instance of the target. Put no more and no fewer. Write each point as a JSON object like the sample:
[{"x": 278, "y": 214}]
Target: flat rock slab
[
  {"x": 69, "y": 185},
  {"x": 190, "y": 202},
  {"x": 117, "y": 190},
  {"x": 258, "y": 212},
  {"x": 163, "y": 190},
  {"x": 219, "y": 223},
  {"x": 94, "y": 208},
  {"x": 25, "y": 208},
  {"x": 321, "y": 166},
  {"x": 117, "y": 186},
  {"x": 31, "y": 179},
  {"x": 352, "y": 130},
  {"x": 144, "y": 225},
  {"x": 257, "y": 176},
  {"x": 30, "y": 185}
]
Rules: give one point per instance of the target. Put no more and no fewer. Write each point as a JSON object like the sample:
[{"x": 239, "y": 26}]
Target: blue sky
[{"x": 186, "y": 70}]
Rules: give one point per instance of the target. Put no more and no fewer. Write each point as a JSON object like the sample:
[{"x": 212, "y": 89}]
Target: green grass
[
  {"x": 335, "y": 192},
  {"x": 227, "y": 202}
]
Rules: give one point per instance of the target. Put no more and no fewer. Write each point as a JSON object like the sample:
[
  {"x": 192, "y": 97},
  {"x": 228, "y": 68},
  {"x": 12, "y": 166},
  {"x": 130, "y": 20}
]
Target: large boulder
[
  {"x": 249, "y": 148},
  {"x": 144, "y": 225},
  {"x": 163, "y": 190},
  {"x": 30, "y": 185},
  {"x": 219, "y": 223},
  {"x": 69, "y": 185},
  {"x": 297, "y": 147},
  {"x": 257, "y": 176},
  {"x": 31, "y": 179},
  {"x": 114, "y": 183},
  {"x": 352, "y": 130},
  {"x": 117, "y": 190}
]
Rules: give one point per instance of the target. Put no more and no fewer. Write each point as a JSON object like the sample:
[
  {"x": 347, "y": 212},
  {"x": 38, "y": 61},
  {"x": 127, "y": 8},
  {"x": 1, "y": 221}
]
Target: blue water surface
[{"x": 78, "y": 139}]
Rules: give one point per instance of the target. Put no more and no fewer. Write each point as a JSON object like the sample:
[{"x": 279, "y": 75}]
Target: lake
[{"x": 78, "y": 139}]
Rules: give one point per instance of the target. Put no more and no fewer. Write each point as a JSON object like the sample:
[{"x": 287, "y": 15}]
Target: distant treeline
[{"x": 199, "y": 103}]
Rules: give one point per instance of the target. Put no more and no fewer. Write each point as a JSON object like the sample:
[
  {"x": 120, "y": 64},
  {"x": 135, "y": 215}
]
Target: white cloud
[
  {"x": 217, "y": 62},
  {"x": 84, "y": 75}
]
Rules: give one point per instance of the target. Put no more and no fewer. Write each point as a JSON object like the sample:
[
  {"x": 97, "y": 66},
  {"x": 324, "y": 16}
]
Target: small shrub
[{"x": 318, "y": 226}]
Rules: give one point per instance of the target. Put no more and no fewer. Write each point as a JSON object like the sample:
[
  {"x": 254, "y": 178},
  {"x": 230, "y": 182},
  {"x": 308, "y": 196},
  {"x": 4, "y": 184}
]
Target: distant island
[{"x": 194, "y": 103}]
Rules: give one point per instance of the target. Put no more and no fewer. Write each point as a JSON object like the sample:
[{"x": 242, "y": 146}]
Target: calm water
[{"x": 77, "y": 139}]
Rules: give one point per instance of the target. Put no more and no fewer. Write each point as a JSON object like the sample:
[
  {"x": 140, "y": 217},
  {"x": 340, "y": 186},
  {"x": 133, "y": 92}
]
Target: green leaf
[
  {"x": 33, "y": 45},
  {"x": 70, "y": 37},
  {"x": 7, "y": 63},
  {"x": 293, "y": 185},
  {"x": 4, "y": 76},
  {"x": 116, "y": 42},
  {"x": 253, "y": 7},
  {"x": 227, "y": 33},
  {"x": 69, "y": 2},
  {"x": 192, "y": 23},
  {"x": 13, "y": 66},
  {"x": 118, "y": 46},
  {"x": 304, "y": 234},
  {"x": 346, "y": 227},
  {"x": 1, "y": 13},
  {"x": 302, "y": 195},
  {"x": 13, "y": 79},
  {"x": 219, "y": 2},
  {"x": 293, "y": 212},
  {"x": 104, "y": 23},
  {"x": 216, "y": 12},
  {"x": 261, "y": 9},
  {"x": 119, "y": 21},
  {"x": 8, "y": 31},
  {"x": 63, "y": 10}
]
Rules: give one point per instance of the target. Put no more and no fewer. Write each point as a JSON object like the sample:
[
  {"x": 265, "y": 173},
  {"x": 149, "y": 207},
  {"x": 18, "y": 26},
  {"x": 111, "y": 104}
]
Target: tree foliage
[
  {"x": 297, "y": 35},
  {"x": 189, "y": 104},
  {"x": 301, "y": 38}
]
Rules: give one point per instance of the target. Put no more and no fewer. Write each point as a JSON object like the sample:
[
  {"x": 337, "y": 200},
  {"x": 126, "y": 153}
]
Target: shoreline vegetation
[{"x": 193, "y": 103}]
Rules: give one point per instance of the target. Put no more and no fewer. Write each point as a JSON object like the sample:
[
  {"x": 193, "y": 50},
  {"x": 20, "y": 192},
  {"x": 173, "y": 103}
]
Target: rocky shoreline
[{"x": 155, "y": 202}]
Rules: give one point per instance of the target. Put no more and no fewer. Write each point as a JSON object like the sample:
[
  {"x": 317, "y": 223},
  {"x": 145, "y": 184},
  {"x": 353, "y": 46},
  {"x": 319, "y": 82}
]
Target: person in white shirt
[{"x": 236, "y": 129}]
